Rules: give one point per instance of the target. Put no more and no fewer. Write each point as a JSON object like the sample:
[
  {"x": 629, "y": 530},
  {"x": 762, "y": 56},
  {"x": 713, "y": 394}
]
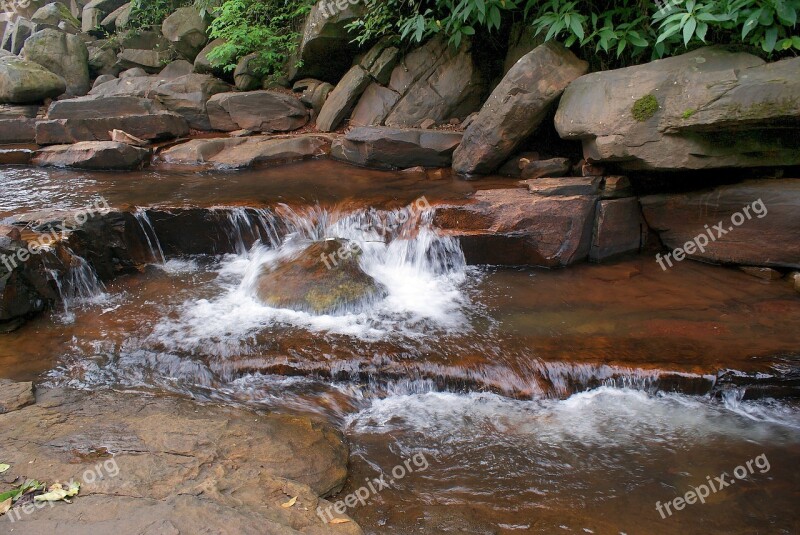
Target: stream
[{"x": 565, "y": 401}]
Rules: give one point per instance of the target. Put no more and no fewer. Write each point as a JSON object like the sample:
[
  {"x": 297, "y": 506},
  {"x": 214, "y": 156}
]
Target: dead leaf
[
  {"x": 289, "y": 503},
  {"x": 4, "y": 467},
  {"x": 58, "y": 492},
  {"x": 339, "y": 521},
  {"x": 5, "y": 506}
]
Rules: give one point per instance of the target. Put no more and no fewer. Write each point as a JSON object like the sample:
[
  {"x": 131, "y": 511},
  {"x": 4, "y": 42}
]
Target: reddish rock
[
  {"x": 762, "y": 272},
  {"x": 259, "y": 111},
  {"x": 390, "y": 148},
  {"x": 564, "y": 186},
  {"x": 554, "y": 167},
  {"x": 514, "y": 227},
  {"x": 768, "y": 238},
  {"x": 157, "y": 126},
  {"x": 619, "y": 228},
  {"x": 93, "y": 155}
]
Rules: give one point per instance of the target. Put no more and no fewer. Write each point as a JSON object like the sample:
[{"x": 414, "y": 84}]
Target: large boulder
[
  {"x": 709, "y": 108},
  {"x": 63, "y": 54},
  {"x": 154, "y": 127},
  {"x": 94, "y": 107},
  {"x": 326, "y": 49},
  {"x": 102, "y": 58},
  {"x": 237, "y": 153},
  {"x": 186, "y": 30},
  {"x": 515, "y": 227},
  {"x": 93, "y": 155},
  {"x": 323, "y": 278},
  {"x": 147, "y": 50},
  {"x": 57, "y": 16},
  {"x": 342, "y": 99},
  {"x": 516, "y": 107},
  {"x": 246, "y": 76},
  {"x": 95, "y": 11},
  {"x": 619, "y": 229},
  {"x": 257, "y": 111},
  {"x": 16, "y": 35},
  {"x": 390, "y": 148},
  {"x": 754, "y": 223},
  {"x": 117, "y": 19},
  {"x": 203, "y": 65},
  {"x": 23, "y": 81},
  {"x": 433, "y": 82}
]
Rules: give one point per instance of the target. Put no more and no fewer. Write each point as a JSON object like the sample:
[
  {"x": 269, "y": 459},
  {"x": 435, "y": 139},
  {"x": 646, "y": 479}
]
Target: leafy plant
[
  {"x": 147, "y": 13},
  {"x": 270, "y": 28}
]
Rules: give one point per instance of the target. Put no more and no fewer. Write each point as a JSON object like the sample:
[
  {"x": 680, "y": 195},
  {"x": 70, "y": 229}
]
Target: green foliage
[
  {"x": 616, "y": 33},
  {"x": 644, "y": 108},
  {"x": 689, "y": 112},
  {"x": 147, "y": 13},
  {"x": 269, "y": 27}
]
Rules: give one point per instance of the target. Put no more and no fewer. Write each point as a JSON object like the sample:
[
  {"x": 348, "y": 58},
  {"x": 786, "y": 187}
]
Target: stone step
[{"x": 153, "y": 127}]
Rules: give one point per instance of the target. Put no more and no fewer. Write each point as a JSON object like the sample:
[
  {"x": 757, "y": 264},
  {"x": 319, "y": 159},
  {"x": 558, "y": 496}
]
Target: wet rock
[
  {"x": 326, "y": 49},
  {"x": 729, "y": 110},
  {"x": 16, "y": 156},
  {"x": 767, "y": 238},
  {"x": 762, "y": 272},
  {"x": 513, "y": 227},
  {"x": 342, "y": 99},
  {"x": 563, "y": 186},
  {"x": 15, "y": 396},
  {"x": 619, "y": 228},
  {"x": 167, "y": 465},
  {"x": 259, "y": 111},
  {"x": 93, "y": 155},
  {"x": 794, "y": 277},
  {"x": 513, "y": 166},
  {"x": 241, "y": 152},
  {"x": 389, "y": 148},
  {"x": 56, "y": 16},
  {"x": 62, "y": 54},
  {"x": 23, "y": 81},
  {"x": 154, "y": 127},
  {"x": 22, "y": 130},
  {"x": 323, "y": 278},
  {"x": 186, "y": 30},
  {"x": 516, "y": 107},
  {"x": 554, "y": 167}
]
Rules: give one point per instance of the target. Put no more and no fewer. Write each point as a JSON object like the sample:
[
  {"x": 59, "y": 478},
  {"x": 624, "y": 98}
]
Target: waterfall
[
  {"x": 155, "y": 251},
  {"x": 77, "y": 284},
  {"x": 247, "y": 226}
]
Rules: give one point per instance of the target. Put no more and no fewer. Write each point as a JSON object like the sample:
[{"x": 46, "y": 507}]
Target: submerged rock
[
  {"x": 93, "y": 155},
  {"x": 324, "y": 278}
]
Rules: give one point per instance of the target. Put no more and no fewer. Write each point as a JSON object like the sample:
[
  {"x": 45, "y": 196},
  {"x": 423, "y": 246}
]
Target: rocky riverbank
[{"x": 166, "y": 465}]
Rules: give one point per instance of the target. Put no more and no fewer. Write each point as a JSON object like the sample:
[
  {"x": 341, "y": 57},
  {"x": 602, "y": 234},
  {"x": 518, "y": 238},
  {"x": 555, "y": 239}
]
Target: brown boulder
[
  {"x": 157, "y": 126},
  {"x": 396, "y": 148},
  {"x": 258, "y": 111},
  {"x": 14, "y": 396},
  {"x": 342, "y": 99},
  {"x": 93, "y": 155},
  {"x": 619, "y": 228}
]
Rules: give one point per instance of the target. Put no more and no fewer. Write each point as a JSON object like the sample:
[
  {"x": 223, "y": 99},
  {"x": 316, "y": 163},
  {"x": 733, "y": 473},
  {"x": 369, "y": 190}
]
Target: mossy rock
[
  {"x": 644, "y": 108},
  {"x": 323, "y": 278}
]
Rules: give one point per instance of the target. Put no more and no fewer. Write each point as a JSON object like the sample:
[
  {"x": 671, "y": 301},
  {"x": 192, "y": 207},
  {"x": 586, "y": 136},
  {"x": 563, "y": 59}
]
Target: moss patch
[
  {"x": 688, "y": 113},
  {"x": 644, "y": 108}
]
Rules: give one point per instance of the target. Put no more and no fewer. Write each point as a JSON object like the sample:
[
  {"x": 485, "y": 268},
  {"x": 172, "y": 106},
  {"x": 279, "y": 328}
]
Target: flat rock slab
[
  {"x": 168, "y": 465},
  {"x": 22, "y": 130},
  {"x": 15, "y": 396},
  {"x": 619, "y": 228},
  {"x": 397, "y": 148},
  {"x": 513, "y": 227},
  {"x": 93, "y": 155},
  {"x": 768, "y": 238},
  {"x": 563, "y": 186},
  {"x": 241, "y": 152},
  {"x": 259, "y": 111},
  {"x": 101, "y": 107},
  {"x": 157, "y": 126}
]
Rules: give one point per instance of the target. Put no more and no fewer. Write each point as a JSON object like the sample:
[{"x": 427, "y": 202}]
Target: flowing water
[{"x": 541, "y": 401}]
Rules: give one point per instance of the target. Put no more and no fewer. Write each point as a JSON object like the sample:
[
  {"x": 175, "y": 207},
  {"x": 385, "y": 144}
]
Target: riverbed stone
[
  {"x": 516, "y": 107},
  {"x": 163, "y": 464},
  {"x": 729, "y": 109},
  {"x": 153, "y": 127},
  {"x": 564, "y": 186},
  {"x": 242, "y": 152},
  {"x": 552, "y": 167},
  {"x": 396, "y": 148},
  {"x": 768, "y": 238},
  {"x": 323, "y": 278},
  {"x": 93, "y": 155},
  {"x": 15, "y": 396},
  {"x": 259, "y": 111},
  {"x": 23, "y": 81},
  {"x": 619, "y": 228},
  {"x": 513, "y": 227}
]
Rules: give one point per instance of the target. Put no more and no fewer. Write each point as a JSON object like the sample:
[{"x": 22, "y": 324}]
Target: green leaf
[
  {"x": 702, "y": 29},
  {"x": 750, "y": 23},
  {"x": 577, "y": 28},
  {"x": 770, "y": 37},
  {"x": 688, "y": 31},
  {"x": 468, "y": 30},
  {"x": 494, "y": 16}
]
